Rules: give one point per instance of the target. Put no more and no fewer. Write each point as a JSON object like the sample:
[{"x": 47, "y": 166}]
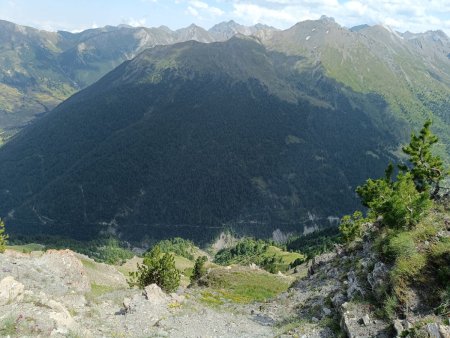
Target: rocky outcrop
[{"x": 60, "y": 293}]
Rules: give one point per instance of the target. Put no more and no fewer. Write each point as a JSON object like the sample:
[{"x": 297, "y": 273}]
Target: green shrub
[
  {"x": 390, "y": 306},
  {"x": 271, "y": 264},
  {"x": 157, "y": 268},
  {"x": 374, "y": 193},
  {"x": 3, "y": 236},
  {"x": 424, "y": 231},
  {"x": 199, "y": 269},
  {"x": 351, "y": 226}
]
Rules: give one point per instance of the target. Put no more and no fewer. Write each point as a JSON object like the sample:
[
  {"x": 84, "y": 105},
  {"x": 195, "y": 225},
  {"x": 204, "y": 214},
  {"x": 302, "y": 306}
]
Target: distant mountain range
[
  {"x": 274, "y": 129},
  {"x": 40, "y": 69}
]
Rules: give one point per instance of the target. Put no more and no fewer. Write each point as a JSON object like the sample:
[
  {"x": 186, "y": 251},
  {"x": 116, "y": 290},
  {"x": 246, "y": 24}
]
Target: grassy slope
[{"x": 242, "y": 285}]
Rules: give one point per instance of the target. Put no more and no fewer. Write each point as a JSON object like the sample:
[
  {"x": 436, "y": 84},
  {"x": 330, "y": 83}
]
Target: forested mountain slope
[{"x": 202, "y": 135}]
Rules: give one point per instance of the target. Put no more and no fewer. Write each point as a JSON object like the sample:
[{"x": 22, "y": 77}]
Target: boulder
[
  {"x": 10, "y": 290},
  {"x": 154, "y": 294}
]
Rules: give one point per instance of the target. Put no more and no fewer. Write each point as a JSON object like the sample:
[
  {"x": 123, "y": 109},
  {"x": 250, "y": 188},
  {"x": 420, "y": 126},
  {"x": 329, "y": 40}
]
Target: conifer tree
[
  {"x": 199, "y": 269},
  {"x": 3, "y": 236},
  {"x": 427, "y": 170},
  {"x": 158, "y": 268}
]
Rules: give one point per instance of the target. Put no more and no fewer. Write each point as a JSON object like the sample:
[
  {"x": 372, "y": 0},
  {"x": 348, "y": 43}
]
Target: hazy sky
[{"x": 76, "y": 15}]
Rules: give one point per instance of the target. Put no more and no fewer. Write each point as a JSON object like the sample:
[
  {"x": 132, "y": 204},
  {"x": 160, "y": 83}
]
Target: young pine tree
[
  {"x": 427, "y": 170},
  {"x": 199, "y": 269},
  {"x": 158, "y": 268},
  {"x": 3, "y": 236}
]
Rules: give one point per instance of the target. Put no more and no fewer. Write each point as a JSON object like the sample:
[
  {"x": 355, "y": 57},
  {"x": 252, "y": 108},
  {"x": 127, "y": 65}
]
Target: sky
[{"x": 76, "y": 15}]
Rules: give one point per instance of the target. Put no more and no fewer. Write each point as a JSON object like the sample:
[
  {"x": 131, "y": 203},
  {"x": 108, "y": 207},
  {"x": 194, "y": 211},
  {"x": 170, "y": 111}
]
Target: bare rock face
[{"x": 10, "y": 290}]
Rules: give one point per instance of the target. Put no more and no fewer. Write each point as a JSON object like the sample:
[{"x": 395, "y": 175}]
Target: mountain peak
[
  {"x": 227, "y": 29},
  {"x": 327, "y": 18},
  {"x": 194, "y": 26}
]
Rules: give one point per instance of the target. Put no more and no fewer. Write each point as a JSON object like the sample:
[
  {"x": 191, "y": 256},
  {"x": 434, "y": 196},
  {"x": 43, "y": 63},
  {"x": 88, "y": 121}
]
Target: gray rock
[
  {"x": 154, "y": 294},
  {"x": 127, "y": 305},
  {"x": 61, "y": 316},
  {"x": 326, "y": 311},
  {"x": 366, "y": 320},
  {"x": 398, "y": 327},
  {"x": 338, "y": 299},
  {"x": 354, "y": 287},
  {"x": 333, "y": 273},
  {"x": 433, "y": 330},
  {"x": 377, "y": 278},
  {"x": 10, "y": 290},
  {"x": 346, "y": 325}
]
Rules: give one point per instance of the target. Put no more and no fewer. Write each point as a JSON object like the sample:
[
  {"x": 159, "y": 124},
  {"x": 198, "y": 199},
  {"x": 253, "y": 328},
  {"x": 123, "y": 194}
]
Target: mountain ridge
[
  {"x": 79, "y": 59},
  {"x": 76, "y": 61}
]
